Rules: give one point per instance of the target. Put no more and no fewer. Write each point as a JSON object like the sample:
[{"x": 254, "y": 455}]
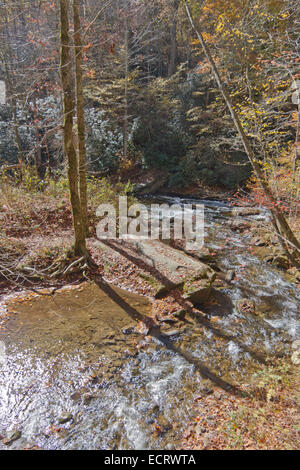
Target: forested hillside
[
  {"x": 178, "y": 120},
  {"x": 150, "y": 98}
]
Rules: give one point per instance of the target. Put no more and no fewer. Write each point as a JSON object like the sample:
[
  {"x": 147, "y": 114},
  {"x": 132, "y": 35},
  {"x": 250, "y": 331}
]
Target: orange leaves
[
  {"x": 87, "y": 47},
  {"x": 91, "y": 73}
]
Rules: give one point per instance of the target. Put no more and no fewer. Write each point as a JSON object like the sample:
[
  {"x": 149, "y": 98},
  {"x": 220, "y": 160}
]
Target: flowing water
[{"x": 74, "y": 374}]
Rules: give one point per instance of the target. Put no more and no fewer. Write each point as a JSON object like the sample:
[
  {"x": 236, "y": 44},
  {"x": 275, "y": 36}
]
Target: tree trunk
[
  {"x": 80, "y": 115},
  {"x": 173, "y": 39},
  {"x": 8, "y": 61},
  {"x": 285, "y": 233},
  {"x": 125, "y": 150},
  {"x": 70, "y": 151},
  {"x": 38, "y": 151}
]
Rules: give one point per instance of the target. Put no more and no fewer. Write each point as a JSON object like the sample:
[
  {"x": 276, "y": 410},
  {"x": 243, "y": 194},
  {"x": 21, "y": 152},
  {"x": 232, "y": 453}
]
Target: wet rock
[
  {"x": 172, "y": 333},
  {"x": 244, "y": 211},
  {"x": 296, "y": 344},
  {"x": 262, "y": 252},
  {"x": 295, "y": 273},
  {"x": 107, "y": 342},
  {"x": 239, "y": 225},
  {"x": 246, "y": 306},
  {"x": 151, "y": 416},
  {"x": 87, "y": 398},
  {"x": 76, "y": 396},
  {"x": 259, "y": 241},
  {"x": 180, "y": 314},
  {"x": 169, "y": 320},
  {"x": 65, "y": 418},
  {"x": 230, "y": 275},
  {"x": 200, "y": 295},
  {"x": 155, "y": 409},
  {"x": 163, "y": 290},
  {"x": 12, "y": 436},
  {"x": 279, "y": 261},
  {"x": 118, "y": 364},
  {"x": 128, "y": 331},
  {"x": 296, "y": 358},
  {"x": 94, "y": 379},
  {"x": 205, "y": 390},
  {"x": 205, "y": 255}
]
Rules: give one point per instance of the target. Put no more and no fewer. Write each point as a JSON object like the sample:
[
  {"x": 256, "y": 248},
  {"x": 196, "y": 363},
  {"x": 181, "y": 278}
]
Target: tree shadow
[
  {"x": 154, "y": 331},
  {"x": 220, "y": 304},
  {"x": 199, "y": 317}
]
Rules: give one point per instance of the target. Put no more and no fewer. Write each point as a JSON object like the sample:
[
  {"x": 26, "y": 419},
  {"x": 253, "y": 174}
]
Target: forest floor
[
  {"x": 36, "y": 231},
  {"x": 267, "y": 418}
]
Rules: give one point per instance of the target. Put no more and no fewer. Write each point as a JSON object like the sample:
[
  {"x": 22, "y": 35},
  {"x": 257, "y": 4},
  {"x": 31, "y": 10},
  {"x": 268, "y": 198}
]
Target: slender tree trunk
[
  {"x": 80, "y": 115},
  {"x": 38, "y": 152},
  {"x": 125, "y": 151},
  {"x": 8, "y": 61},
  {"x": 284, "y": 231},
  {"x": 70, "y": 151},
  {"x": 173, "y": 39},
  {"x": 297, "y": 144},
  {"x": 14, "y": 105}
]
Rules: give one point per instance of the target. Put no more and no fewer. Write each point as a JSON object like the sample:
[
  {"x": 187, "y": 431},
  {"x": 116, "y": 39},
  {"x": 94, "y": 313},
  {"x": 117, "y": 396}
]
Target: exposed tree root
[{"x": 62, "y": 270}]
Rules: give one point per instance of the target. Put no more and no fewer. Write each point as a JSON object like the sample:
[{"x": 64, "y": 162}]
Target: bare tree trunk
[
  {"x": 297, "y": 156},
  {"x": 125, "y": 151},
  {"x": 173, "y": 38},
  {"x": 12, "y": 99},
  {"x": 283, "y": 230},
  {"x": 8, "y": 60},
  {"x": 70, "y": 151},
  {"x": 80, "y": 115},
  {"x": 38, "y": 152}
]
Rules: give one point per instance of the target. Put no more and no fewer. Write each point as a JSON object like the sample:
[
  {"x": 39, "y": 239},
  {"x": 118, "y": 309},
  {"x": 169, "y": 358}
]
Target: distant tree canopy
[{"x": 149, "y": 95}]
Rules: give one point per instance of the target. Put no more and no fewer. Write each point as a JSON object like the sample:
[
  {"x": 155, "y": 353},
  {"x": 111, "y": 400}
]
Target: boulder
[
  {"x": 171, "y": 333},
  {"x": 260, "y": 241},
  {"x": 12, "y": 436},
  {"x": 244, "y": 211},
  {"x": 198, "y": 290},
  {"x": 168, "y": 320},
  {"x": 199, "y": 295},
  {"x": 65, "y": 418},
  {"x": 239, "y": 225},
  {"x": 280, "y": 261},
  {"x": 295, "y": 273}
]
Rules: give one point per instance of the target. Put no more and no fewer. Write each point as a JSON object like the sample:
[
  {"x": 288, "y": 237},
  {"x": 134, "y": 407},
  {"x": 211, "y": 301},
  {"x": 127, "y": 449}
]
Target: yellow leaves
[
  {"x": 195, "y": 42},
  {"x": 207, "y": 37},
  {"x": 220, "y": 27},
  {"x": 284, "y": 15}
]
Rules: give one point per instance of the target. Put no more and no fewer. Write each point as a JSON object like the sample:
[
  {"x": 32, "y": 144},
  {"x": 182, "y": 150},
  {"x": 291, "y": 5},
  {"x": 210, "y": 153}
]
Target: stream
[{"x": 75, "y": 374}]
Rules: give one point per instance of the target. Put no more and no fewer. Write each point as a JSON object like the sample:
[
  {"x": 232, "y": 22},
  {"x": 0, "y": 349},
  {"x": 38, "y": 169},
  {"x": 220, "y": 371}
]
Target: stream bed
[{"x": 75, "y": 374}]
